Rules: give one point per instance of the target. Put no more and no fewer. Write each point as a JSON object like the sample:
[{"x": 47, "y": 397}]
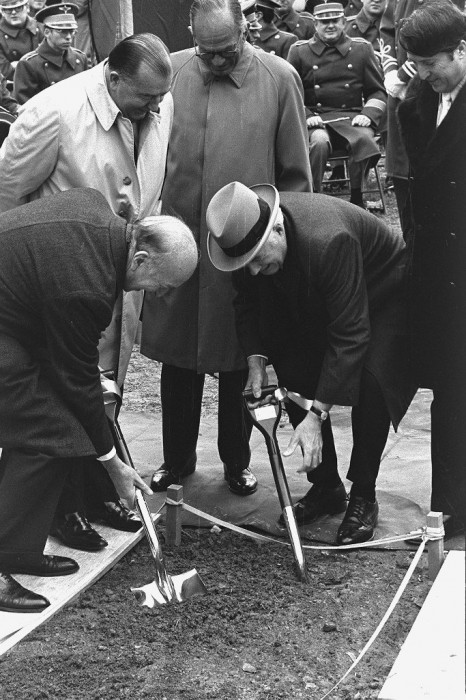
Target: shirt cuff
[{"x": 108, "y": 456}]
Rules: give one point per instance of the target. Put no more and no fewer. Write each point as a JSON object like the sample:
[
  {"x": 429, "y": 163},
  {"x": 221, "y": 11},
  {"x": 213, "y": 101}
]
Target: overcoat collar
[{"x": 342, "y": 45}]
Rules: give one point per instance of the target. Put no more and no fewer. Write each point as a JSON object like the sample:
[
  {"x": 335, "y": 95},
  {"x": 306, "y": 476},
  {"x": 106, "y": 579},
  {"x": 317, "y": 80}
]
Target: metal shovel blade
[{"x": 165, "y": 588}]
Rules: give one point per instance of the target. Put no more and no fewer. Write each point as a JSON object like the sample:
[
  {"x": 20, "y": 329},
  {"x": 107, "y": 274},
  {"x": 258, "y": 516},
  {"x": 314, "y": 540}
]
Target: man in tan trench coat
[{"x": 239, "y": 114}]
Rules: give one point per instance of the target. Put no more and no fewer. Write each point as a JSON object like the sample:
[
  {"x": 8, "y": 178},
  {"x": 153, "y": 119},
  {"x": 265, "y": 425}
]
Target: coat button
[
  {"x": 346, "y": 85},
  {"x": 52, "y": 82},
  {"x": 452, "y": 285},
  {"x": 127, "y": 180},
  {"x": 78, "y": 61},
  {"x": 315, "y": 67},
  {"x": 277, "y": 36},
  {"x": 453, "y": 235},
  {"x": 317, "y": 87},
  {"x": 46, "y": 64},
  {"x": 319, "y": 104},
  {"x": 272, "y": 52},
  {"x": 343, "y": 106},
  {"x": 350, "y": 65}
]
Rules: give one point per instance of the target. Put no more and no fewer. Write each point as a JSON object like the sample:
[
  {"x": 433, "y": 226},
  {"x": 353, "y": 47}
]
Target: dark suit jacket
[
  {"x": 335, "y": 307},
  {"x": 437, "y": 158},
  {"x": 62, "y": 266}
]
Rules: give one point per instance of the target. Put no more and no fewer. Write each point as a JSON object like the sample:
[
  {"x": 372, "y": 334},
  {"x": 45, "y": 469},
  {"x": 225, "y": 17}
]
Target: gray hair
[{"x": 233, "y": 7}]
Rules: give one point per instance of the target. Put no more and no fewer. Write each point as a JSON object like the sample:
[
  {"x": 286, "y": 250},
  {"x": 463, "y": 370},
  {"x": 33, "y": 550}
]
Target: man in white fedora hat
[{"x": 320, "y": 296}]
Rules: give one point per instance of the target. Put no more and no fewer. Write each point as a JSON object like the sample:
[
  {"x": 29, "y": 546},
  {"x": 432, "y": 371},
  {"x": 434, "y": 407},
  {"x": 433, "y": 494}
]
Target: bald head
[{"x": 162, "y": 255}]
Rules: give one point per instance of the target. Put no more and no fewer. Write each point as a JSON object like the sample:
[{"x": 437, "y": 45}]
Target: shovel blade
[
  {"x": 295, "y": 540},
  {"x": 184, "y": 587}
]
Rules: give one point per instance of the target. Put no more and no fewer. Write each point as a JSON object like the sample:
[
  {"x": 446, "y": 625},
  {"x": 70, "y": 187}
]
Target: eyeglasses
[
  {"x": 225, "y": 53},
  {"x": 10, "y": 10}
]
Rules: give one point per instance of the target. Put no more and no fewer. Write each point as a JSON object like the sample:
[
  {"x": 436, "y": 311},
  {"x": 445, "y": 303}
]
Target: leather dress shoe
[
  {"x": 49, "y": 565},
  {"x": 318, "y": 501},
  {"x": 359, "y": 522},
  {"x": 243, "y": 483},
  {"x": 163, "y": 478},
  {"x": 76, "y": 532},
  {"x": 15, "y": 598},
  {"x": 118, "y": 516}
]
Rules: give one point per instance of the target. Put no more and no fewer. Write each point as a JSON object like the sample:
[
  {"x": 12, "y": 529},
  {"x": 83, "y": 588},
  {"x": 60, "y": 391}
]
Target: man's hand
[
  {"x": 394, "y": 86},
  {"x": 308, "y": 436},
  {"x": 361, "y": 120},
  {"x": 257, "y": 377},
  {"x": 315, "y": 122},
  {"x": 126, "y": 480}
]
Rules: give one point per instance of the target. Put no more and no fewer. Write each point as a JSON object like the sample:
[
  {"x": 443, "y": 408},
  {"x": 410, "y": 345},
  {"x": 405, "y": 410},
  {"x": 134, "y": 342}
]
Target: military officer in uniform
[
  {"x": 343, "y": 93},
  {"x": 366, "y": 24},
  {"x": 271, "y": 39},
  {"x": 300, "y": 24},
  {"x": 19, "y": 34},
  {"x": 54, "y": 59}
]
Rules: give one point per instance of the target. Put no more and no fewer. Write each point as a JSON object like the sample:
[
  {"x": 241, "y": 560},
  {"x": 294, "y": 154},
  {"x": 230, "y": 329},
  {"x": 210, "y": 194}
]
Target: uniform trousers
[
  {"x": 181, "y": 396},
  {"x": 370, "y": 421},
  {"x": 30, "y": 487},
  {"x": 321, "y": 146}
]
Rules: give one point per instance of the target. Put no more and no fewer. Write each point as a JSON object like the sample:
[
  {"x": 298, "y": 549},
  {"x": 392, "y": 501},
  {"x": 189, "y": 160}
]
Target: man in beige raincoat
[{"x": 239, "y": 114}]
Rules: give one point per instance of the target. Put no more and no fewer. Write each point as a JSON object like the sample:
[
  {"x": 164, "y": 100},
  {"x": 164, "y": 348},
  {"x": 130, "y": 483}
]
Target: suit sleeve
[
  {"x": 292, "y": 168},
  {"x": 342, "y": 283},
  {"x": 28, "y": 155},
  {"x": 73, "y": 327}
]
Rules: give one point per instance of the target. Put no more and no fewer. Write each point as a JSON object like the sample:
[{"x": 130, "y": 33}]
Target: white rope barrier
[
  {"x": 266, "y": 538},
  {"x": 385, "y": 618}
]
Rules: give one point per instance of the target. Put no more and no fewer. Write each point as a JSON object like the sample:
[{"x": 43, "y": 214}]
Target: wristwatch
[{"x": 321, "y": 415}]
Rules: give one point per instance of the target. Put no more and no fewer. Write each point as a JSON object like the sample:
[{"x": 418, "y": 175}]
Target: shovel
[
  {"x": 165, "y": 588},
  {"x": 266, "y": 419}
]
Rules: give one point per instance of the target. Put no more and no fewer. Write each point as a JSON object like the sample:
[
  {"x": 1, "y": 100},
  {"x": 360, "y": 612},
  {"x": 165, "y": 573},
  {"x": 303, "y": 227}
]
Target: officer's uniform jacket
[
  {"x": 15, "y": 42},
  {"x": 341, "y": 78},
  {"x": 275, "y": 41},
  {"x": 299, "y": 24},
  {"x": 363, "y": 27},
  {"x": 44, "y": 67}
]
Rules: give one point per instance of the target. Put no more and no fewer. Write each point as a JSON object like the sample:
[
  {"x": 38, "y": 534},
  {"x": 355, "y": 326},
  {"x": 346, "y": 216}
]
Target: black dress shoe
[
  {"x": 318, "y": 501},
  {"x": 243, "y": 483},
  {"x": 118, "y": 516},
  {"x": 162, "y": 479},
  {"x": 15, "y": 598},
  {"x": 359, "y": 522},
  {"x": 76, "y": 532},
  {"x": 49, "y": 565}
]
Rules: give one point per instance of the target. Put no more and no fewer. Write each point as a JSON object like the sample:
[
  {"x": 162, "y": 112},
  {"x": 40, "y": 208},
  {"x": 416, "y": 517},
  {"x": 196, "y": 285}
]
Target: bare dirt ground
[{"x": 258, "y": 635}]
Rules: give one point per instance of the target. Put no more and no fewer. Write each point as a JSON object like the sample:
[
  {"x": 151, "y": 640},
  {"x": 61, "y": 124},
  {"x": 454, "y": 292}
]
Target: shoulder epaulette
[
  {"x": 359, "y": 39},
  {"x": 28, "y": 55},
  {"x": 78, "y": 51},
  {"x": 300, "y": 42}
]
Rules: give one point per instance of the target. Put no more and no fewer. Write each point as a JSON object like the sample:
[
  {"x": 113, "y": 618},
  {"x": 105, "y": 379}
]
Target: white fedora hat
[{"x": 239, "y": 221}]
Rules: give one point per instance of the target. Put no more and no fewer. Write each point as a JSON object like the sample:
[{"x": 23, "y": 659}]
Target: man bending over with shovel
[
  {"x": 65, "y": 258},
  {"x": 320, "y": 294}
]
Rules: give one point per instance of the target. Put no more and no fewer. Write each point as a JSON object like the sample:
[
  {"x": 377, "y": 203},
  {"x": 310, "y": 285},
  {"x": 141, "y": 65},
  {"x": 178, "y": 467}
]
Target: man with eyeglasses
[
  {"x": 19, "y": 34},
  {"x": 55, "y": 58},
  {"x": 239, "y": 115}
]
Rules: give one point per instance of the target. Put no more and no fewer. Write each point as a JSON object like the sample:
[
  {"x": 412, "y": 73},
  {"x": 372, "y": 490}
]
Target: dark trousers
[
  {"x": 448, "y": 449},
  {"x": 30, "y": 487},
  {"x": 86, "y": 487},
  {"x": 370, "y": 422},
  {"x": 181, "y": 396}
]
